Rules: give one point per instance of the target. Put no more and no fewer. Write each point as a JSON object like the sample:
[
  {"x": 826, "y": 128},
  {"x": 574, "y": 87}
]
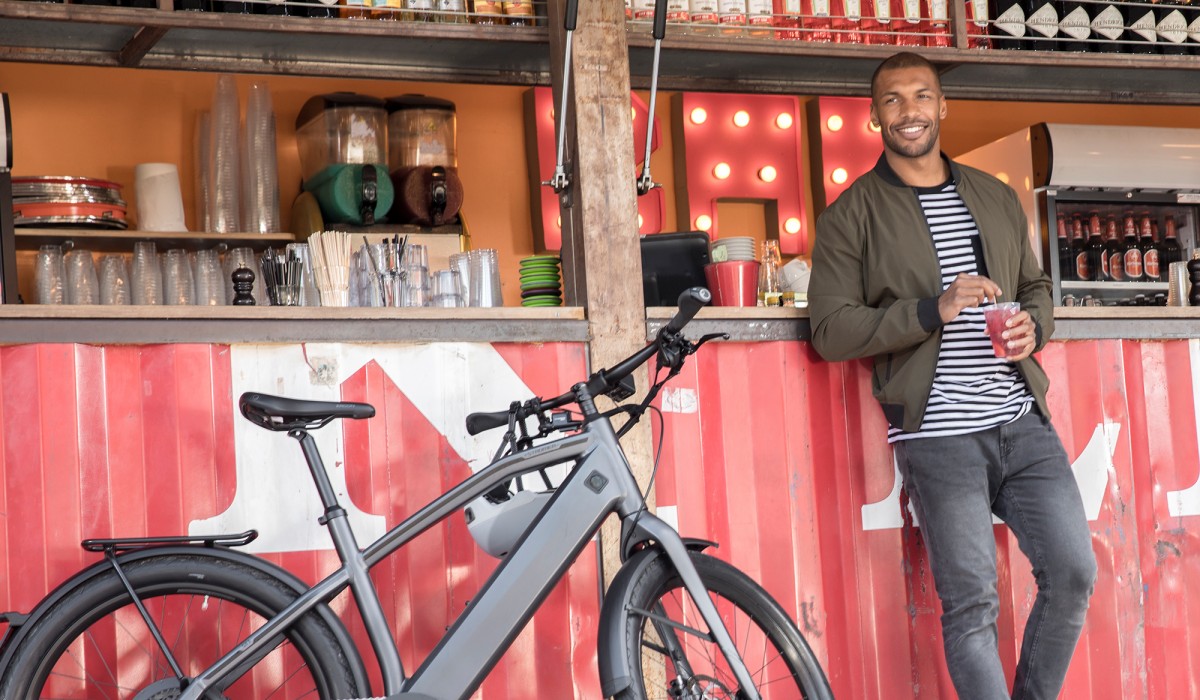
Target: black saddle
[{"x": 282, "y": 414}]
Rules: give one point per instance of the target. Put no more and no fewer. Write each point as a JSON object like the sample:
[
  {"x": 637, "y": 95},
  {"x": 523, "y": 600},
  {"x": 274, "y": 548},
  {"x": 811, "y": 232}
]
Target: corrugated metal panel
[
  {"x": 776, "y": 454},
  {"x": 783, "y": 459},
  {"x": 133, "y": 441}
]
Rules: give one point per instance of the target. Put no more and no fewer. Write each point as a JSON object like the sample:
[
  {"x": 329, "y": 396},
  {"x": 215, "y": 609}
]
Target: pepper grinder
[
  {"x": 1193, "y": 268},
  {"x": 243, "y": 285}
]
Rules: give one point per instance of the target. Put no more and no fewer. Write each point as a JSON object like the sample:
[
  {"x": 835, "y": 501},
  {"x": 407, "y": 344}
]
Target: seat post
[{"x": 365, "y": 595}]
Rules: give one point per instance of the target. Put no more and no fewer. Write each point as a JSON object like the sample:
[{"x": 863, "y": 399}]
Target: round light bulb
[
  {"x": 784, "y": 120},
  {"x": 839, "y": 176},
  {"x": 703, "y": 222},
  {"x": 633, "y": 113},
  {"x": 873, "y": 126},
  {"x": 834, "y": 123},
  {"x": 721, "y": 171},
  {"x": 767, "y": 173},
  {"x": 1002, "y": 177},
  {"x": 640, "y": 221},
  {"x": 558, "y": 221},
  {"x": 741, "y": 118},
  {"x": 699, "y": 115},
  {"x": 792, "y": 225}
]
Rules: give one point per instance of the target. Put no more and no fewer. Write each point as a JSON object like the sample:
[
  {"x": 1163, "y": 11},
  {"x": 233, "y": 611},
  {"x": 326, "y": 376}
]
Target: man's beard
[{"x": 912, "y": 149}]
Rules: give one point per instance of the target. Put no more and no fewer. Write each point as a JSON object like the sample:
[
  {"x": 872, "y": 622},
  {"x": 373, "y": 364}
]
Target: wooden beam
[
  {"x": 604, "y": 205},
  {"x": 136, "y": 48}
]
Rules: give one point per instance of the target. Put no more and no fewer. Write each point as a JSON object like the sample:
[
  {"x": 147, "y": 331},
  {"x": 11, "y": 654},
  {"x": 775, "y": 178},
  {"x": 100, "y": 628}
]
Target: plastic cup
[
  {"x": 733, "y": 283},
  {"x": 996, "y": 316}
]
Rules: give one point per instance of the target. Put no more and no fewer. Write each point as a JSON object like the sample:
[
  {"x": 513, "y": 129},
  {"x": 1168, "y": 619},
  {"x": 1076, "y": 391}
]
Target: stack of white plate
[{"x": 734, "y": 248}]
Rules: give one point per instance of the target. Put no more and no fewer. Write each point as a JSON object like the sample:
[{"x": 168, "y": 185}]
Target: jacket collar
[{"x": 884, "y": 170}]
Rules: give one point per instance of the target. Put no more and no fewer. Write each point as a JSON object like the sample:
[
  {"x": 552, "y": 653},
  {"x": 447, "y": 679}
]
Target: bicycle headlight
[{"x": 496, "y": 527}]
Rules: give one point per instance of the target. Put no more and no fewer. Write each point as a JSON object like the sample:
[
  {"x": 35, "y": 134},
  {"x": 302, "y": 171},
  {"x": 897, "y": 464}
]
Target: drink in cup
[{"x": 996, "y": 316}]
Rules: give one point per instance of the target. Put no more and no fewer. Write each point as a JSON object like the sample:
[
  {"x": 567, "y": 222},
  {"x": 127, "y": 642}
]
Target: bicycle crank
[{"x": 703, "y": 687}]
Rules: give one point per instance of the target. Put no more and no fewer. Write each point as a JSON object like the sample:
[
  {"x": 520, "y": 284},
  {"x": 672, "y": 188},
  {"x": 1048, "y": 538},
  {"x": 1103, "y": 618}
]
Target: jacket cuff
[
  {"x": 1037, "y": 334},
  {"x": 929, "y": 316}
]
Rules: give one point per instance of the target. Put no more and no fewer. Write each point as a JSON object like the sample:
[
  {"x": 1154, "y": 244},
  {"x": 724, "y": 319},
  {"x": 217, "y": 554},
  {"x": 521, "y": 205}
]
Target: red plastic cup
[
  {"x": 996, "y": 316},
  {"x": 733, "y": 283}
]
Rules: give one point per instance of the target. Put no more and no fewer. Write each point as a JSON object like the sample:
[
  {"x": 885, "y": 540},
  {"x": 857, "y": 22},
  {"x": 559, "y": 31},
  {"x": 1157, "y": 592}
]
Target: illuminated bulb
[
  {"x": 834, "y": 123},
  {"x": 1002, "y": 177},
  {"x": 699, "y": 116},
  {"x": 721, "y": 171},
  {"x": 741, "y": 117},
  {"x": 640, "y": 221},
  {"x": 873, "y": 126},
  {"x": 784, "y": 120},
  {"x": 767, "y": 173},
  {"x": 703, "y": 222},
  {"x": 792, "y": 225},
  {"x": 1027, "y": 183},
  {"x": 839, "y": 176},
  {"x": 558, "y": 221},
  {"x": 633, "y": 113}
]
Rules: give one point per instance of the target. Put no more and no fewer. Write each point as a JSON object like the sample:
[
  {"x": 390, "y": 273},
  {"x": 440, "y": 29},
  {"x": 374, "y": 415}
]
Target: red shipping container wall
[
  {"x": 783, "y": 459},
  {"x": 777, "y": 455}
]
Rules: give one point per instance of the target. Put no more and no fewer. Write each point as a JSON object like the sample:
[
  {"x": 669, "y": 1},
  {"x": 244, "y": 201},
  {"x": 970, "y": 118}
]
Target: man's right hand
[{"x": 964, "y": 292}]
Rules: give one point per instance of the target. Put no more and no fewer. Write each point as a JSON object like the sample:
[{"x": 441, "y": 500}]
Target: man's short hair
[{"x": 904, "y": 59}]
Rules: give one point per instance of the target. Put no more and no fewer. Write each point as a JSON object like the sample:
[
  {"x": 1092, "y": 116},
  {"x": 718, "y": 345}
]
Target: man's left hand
[{"x": 1021, "y": 336}]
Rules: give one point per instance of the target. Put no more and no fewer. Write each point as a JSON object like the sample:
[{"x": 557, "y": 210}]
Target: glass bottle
[
  {"x": 769, "y": 291},
  {"x": 487, "y": 12},
  {"x": 452, "y": 11}
]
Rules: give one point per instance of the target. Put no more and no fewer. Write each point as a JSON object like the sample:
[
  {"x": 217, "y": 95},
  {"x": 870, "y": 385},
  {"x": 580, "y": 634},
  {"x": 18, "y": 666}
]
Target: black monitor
[{"x": 672, "y": 263}]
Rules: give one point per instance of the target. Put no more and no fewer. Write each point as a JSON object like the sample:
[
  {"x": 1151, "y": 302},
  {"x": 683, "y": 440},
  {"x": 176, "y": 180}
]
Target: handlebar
[{"x": 604, "y": 381}]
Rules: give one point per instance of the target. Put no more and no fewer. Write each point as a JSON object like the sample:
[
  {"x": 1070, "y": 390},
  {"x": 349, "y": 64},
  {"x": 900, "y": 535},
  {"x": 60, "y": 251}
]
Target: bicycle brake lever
[{"x": 693, "y": 347}]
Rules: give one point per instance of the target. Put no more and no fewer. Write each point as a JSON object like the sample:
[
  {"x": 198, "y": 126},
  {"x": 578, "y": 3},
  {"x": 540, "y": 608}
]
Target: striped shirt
[{"x": 972, "y": 388}]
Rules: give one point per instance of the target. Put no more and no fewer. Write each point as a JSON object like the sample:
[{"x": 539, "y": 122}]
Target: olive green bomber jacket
[{"x": 876, "y": 280}]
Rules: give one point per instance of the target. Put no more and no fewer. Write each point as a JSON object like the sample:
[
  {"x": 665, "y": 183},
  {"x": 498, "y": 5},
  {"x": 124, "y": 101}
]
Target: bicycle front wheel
[
  {"x": 93, "y": 643},
  {"x": 662, "y": 616}
]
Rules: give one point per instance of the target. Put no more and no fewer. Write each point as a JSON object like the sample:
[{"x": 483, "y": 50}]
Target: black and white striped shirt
[{"x": 972, "y": 388}]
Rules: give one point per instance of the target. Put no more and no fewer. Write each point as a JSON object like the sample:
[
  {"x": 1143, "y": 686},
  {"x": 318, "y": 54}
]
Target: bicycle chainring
[{"x": 166, "y": 689}]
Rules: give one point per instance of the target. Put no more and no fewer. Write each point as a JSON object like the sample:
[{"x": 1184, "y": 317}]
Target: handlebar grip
[
  {"x": 479, "y": 422},
  {"x": 690, "y": 303},
  {"x": 660, "y": 19},
  {"x": 571, "y": 15}
]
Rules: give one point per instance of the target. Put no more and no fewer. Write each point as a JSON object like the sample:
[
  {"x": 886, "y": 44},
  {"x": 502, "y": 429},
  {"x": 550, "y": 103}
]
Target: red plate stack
[{"x": 61, "y": 200}]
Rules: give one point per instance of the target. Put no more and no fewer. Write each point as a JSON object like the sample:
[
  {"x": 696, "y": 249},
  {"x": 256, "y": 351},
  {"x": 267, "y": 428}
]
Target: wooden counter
[
  {"x": 124, "y": 325},
  {"x": 1071, "y": 323}
]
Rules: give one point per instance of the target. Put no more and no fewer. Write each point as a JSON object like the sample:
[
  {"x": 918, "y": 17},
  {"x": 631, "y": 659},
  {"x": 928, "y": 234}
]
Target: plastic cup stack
[
  {"x": 82, "y": 285},
  {"x": 485, "y": 277},
  {"x": 223, "y": 182},
  {"x": 260, "y": 171},
  {"x": 114, "y": 280},
  {"x": 209, "y": 281},
  {"x": 50, "y": 275},
  {"x": 147, "y": 275}
]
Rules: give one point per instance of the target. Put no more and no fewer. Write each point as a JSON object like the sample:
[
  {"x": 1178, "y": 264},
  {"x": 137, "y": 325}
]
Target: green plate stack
[{"x": 541, "y": 284}]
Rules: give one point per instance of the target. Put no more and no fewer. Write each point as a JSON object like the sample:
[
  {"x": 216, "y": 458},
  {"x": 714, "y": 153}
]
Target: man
[{"x": 904, "y": 261}]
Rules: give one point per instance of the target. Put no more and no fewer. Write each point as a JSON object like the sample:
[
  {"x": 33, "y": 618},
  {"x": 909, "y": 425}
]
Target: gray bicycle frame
[{"x": 599, "y": 484}]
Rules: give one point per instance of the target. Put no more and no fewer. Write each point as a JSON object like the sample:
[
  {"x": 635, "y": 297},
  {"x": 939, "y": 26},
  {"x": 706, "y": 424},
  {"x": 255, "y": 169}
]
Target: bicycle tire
[
  {"x": 776, "y": 654},
  {"x": 93, "y": 642}
]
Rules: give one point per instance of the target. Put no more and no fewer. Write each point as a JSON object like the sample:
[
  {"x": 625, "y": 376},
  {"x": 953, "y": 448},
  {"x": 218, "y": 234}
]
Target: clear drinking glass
[
  {"x": 114, "y": 280},
  {"x": 485, "y": 277},
  {"x": 147, "y": 275},
  {"x": 447, "y": 289},
  {"x": 82, "y": 285},
  {"x": 179, "y": 287}
]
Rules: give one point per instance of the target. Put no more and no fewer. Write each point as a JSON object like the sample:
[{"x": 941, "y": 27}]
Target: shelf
[
  {"x": 1116, "y": 286},
  {"x": 151, "y": 38},
  {"x": 212, "y": 41},
  {"x": 767, "y": 65},
  {"x": 107, "y": 240}
]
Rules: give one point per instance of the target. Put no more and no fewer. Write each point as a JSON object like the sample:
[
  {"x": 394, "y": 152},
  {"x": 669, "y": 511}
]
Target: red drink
[{"x": 996, "y": 316}]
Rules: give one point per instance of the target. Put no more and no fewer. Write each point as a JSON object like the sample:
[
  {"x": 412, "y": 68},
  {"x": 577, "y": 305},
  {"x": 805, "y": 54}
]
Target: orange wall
[{"x": 100, "y": 122}]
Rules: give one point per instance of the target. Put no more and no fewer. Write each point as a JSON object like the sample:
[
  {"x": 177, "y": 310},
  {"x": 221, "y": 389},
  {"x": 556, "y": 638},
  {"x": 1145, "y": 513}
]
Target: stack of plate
[
  {"x": 60, "y": 200},
  {"x": 734, "y": 248},
  {"x": 541, "y": 284}
]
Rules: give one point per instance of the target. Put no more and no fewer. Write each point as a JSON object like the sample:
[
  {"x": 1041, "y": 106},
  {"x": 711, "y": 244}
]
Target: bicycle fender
[
  {"x": 615, "y": 673},
  {"x": 16, "y": 633}
]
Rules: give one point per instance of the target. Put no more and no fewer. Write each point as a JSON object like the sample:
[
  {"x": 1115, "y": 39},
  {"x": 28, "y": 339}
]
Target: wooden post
[{"x": 601, "y": 239}]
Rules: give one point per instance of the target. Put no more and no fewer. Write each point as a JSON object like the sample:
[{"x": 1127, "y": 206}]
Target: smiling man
[{"x": 905, "y": 263}]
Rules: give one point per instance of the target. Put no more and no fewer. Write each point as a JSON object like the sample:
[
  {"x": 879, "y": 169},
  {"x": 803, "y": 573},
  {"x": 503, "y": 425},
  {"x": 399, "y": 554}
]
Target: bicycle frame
[{"x": 599, "y": 484}]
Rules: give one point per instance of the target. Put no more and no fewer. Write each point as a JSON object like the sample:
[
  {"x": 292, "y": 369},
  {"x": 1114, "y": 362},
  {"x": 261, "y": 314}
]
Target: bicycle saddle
[{"x": 282, "y": 414}]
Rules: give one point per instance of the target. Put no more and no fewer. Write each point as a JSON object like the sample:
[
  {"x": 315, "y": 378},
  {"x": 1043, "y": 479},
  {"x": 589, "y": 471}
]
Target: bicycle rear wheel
[
  {"x": 779, "y": 660},
  {"x": 93, "y": 643}
]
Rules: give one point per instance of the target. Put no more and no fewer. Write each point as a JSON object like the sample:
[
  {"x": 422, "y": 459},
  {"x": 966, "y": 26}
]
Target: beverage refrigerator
[{"x": 1127, "y": 192}]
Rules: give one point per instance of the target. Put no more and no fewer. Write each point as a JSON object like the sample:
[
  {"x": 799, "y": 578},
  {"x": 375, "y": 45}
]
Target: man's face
[{"x": 908, "y": 107}]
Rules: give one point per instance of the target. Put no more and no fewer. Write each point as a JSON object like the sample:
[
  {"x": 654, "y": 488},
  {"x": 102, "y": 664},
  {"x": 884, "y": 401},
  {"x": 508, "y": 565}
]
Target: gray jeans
[{"x": 1021, "y": 473}]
